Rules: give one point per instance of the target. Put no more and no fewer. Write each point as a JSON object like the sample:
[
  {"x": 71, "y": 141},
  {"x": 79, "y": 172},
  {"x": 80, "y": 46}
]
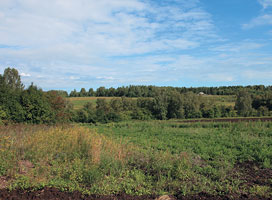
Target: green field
[
  {"x": 227, "y": 100},
  {"x": 230, "y": 142},
  {"x": 210, "y": 153},
  {"x": 79, "y": 102},
  {"x": 140, "y": 158}
]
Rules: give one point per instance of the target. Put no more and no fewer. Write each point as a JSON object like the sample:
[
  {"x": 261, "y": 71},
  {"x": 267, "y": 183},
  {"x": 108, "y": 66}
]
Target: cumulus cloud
[
  {"x": 86, "y": 37},
  {"x": 67, "y": 43}
]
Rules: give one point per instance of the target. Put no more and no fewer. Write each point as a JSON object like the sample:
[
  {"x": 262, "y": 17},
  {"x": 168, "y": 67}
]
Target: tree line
[
  {"x": 168, "y": 104},
  {"x": 151, "y": 91},
  {"x": 33, "y": 105},
  {"x": 165, "y": 105}
]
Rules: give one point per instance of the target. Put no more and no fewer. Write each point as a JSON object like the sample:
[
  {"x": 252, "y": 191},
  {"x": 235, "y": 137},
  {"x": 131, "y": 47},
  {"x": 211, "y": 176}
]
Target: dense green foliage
[
  {"x": 169, "y": 102},
  {"x": 30, "y": 105},
  {"x": 171, "y": 105}
]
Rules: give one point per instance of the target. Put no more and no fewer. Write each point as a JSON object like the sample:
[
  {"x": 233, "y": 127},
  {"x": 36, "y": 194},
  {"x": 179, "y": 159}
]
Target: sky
[{"x": 70, "y": 44}]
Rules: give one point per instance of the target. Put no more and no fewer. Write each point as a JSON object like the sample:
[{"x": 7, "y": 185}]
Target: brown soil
[
  {"x": 252, "y": 174},
  {"x": 248, "y": 119},
  {"x": 249, "y": 172},
  {"x": 3, "y": 182},
  {"x": 55, "y": 194},
  {"x": 25, "y": 166}
]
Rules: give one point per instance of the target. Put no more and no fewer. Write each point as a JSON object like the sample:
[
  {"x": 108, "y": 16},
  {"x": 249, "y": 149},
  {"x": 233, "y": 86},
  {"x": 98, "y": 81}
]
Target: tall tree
[
  {"x": 12, "y": 79},
  {"x": 36, "y": 106},
  {"x": 101, "y": 92},
  {"x": 91, "y": 92},
  {"x": 243, "y": 104},
  {"x": 10, "y": 102},
  {"x": 83, "y": 92}
]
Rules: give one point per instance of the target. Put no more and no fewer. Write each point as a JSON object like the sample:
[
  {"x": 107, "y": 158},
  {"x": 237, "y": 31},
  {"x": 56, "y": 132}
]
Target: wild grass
[
  {"x": 66, "y": 157},
  {"x": 135, "y": 157}
]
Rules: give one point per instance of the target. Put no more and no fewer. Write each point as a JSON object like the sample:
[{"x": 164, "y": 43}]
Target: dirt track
[{"x": 264, "y": 119}]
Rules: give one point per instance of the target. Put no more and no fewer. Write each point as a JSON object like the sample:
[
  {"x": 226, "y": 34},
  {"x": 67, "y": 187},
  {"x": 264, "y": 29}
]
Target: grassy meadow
[
  {"x": 79, "y": 102},
  {"x": 226, "y": 100},
  {"x": 153, "y": 157}
]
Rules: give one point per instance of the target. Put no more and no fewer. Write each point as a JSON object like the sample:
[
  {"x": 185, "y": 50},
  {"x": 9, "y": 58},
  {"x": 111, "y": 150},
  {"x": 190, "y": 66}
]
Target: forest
[{"x": 33, "y": 105}]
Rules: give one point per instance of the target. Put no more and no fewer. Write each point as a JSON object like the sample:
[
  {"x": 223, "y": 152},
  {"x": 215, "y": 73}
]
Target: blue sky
[{"x": 67, "y": 44}]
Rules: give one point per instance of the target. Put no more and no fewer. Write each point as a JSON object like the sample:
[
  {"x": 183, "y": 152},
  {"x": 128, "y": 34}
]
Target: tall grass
[{"x": 68, "y": 157}]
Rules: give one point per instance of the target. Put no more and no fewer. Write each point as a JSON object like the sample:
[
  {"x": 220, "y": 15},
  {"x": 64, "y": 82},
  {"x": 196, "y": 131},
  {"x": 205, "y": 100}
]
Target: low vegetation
[{"x": 138, "y": 157}]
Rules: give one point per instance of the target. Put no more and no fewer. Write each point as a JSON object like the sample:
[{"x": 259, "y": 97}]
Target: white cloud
[
  {"x": 220, "y": 77},
  {"x": 238, "y": 47},
  {"x": 109, "y": 26},
  {"x": 74, "y": 78},
  {"x": 258, "y": 75},
  {"x": 265, "y": 3},
  {"x": 86, "y": 43},
  {"x": 25, "y": 74},
  {"x": 265, "y": 19}
]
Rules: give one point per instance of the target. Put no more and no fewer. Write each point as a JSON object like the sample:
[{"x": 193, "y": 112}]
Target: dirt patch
[
  {"x": 3, "y": 182},
  {"x": 249, "y": 172},
  {"x": 252, "y": 174},
  {"x": 25, "y": 166},
  {"x": 55, "y": 194},
  {"x": 165, "y": 197}
]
